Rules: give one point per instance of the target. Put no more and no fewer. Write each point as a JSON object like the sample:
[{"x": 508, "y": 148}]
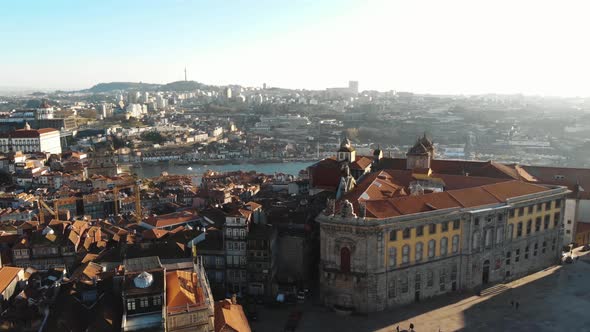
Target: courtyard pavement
[{"x": 555, "y": 299}]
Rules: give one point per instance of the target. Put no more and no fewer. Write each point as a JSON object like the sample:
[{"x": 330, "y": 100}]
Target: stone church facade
[{"x": 370, "y": 265}]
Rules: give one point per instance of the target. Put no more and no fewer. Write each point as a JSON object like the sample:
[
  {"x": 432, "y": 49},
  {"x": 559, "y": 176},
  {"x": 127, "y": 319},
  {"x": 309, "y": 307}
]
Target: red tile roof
[
  {"x": 183, "y": 291},
  {"x": 172, "y": 219},
  {"x": 230, "y": 317},
  {"x": 461, "y": 198},
  {"x": 7, "y": 274}
]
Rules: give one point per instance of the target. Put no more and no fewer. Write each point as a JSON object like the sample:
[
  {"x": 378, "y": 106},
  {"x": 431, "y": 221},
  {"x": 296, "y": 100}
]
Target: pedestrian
[
  {"x": 517, "y": 304},
  {"x": 512, "y": 303},
  {"x": 412, "y": 327},
  {"x": 397, "y": 328}
]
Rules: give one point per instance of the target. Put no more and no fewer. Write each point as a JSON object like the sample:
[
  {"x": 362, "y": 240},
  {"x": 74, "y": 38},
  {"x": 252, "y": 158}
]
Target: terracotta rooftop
[
  {"x": 230, "y": 317},
  {"x": 171, "y": 219},
  {"x": 183, "y": 291},
  {"x": 496, "y": 193},
  {"x": 7, "y": 274}
]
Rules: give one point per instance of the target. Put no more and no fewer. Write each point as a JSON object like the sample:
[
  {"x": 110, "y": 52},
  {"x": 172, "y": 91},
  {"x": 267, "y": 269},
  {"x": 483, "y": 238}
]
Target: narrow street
[{"x": 555, "y": 299}]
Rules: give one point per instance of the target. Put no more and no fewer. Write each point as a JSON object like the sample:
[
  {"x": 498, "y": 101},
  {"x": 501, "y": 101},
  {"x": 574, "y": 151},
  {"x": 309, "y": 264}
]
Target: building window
[
  {"x": 393, "y": 235},
  {"x": 475, "y": 240},
  {"x": 406, "y": 254},
  {"x": 543, "y": 249},
  {"x": 143, "y": 302},
  {"x": 519, "y": 229},
  {"x": 521, "y": 212},
  {"x": 517, "y": 255},
  {"x": 157, "y": 300},
  {"x": 556, "y": 219},
  {"x": 406, "y": 233},
  {"x": 510, "y": 231},
  {"x": 429, "y": 278},
  {"x": 538, "y": 224},
  {"x": 391, "y": 289},
  {"x": 431, "y": 246},
  {"x": 345, "y": 259},
  {"x": 418, "y": 281},
  {"x": 456, "y": 224},
  {"x": 558, "y": 203},
  {"x": 445, "y": 226},
  {"x": 531, "y": 209},
  {"x": 546, "y": 221},
  {"x": 444, "y": 244},
  {"x": 508, "y": 254},
  {"x": 404, "y": 284},
  {"x": 548, "y": 205},
  {"x": 476, "y": 221},
  {"x": 529, "y": 225},
  {"x": 511, "y": 213},
  {"x": 553, "y": 244},
  {"x": 442, "y": 279},
  {"x": 500, "y": 217},
  {"x": 419, "y": 230},
  {"x": 526, "y": 252},
  {"x": 535, "y": 247},
  {"x": 432, "y": 229},
  {"x": 419, "y": 251},
  {"x": 499, "y": 234},
  {"x": 453, "y": 272},
  {"x": 539, "y": 207},
  {"x": 455, "y": 244},
  {"x": 488, "y": 238},
  {"x": 131, "y": 305},
  {"x": 392, "y": 256}
]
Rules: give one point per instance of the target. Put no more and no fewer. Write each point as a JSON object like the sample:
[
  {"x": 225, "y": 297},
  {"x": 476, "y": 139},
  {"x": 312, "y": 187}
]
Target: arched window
[
  {"x": 406, "y": 254},
  {"x": 431, "y": 247},
  {"x": 444, "y": 244},
  {"x": 455, "y": 245},
  {"x": 345, "y": 259},
  {"x": 475, "y": 240},
  {"x": 419, "y": 250}
]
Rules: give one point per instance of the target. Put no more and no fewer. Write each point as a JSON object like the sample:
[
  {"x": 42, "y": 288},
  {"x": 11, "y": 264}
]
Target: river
[{"x": 154, "y": 170}]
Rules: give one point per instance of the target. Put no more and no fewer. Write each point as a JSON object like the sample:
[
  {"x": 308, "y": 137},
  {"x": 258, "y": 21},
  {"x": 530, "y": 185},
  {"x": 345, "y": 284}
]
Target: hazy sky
[{"x": 533, "y": 47}]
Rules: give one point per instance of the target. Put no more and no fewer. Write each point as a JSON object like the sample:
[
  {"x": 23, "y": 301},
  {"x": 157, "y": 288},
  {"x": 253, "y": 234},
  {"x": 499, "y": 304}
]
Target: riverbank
[
  {"x": 196, "y": 170},
  {"x": 222, "y": 162}
]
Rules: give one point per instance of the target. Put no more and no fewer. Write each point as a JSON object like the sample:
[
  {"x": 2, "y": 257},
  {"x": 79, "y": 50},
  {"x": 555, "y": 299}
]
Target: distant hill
[
  {"x": 114, "y": 86},
  {"x": 182, "y": 86},
  {"x": 179, "y": 86}
]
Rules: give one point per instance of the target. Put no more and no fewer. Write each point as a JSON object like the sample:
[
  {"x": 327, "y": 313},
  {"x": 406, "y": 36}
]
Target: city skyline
[{"x": 453, "y": 47}]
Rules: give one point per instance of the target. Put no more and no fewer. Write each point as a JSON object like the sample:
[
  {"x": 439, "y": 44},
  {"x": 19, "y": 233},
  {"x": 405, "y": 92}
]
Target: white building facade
[{"x": 27, "y": 140}]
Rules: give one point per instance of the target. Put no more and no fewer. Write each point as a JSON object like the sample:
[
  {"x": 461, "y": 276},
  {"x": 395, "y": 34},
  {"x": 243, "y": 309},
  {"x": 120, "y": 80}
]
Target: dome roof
[{"x": 143, "y": 280}]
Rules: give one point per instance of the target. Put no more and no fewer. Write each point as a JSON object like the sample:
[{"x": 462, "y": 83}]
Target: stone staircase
[{"x": 494, "y": 290}]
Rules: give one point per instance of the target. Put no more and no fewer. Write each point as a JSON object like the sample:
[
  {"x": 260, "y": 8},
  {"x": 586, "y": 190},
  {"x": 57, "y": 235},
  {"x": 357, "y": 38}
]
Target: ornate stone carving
[
  {"x": 347, "y": 209},
  {"x": 362, "y": 210}
]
